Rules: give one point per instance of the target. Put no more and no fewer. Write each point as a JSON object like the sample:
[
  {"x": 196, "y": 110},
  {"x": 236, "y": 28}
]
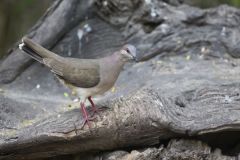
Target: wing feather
[{"x": 82, "y": 73}]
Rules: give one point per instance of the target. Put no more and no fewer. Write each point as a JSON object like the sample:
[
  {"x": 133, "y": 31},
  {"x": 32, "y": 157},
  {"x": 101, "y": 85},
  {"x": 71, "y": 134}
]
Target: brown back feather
[{"x": 84, "y": 73}]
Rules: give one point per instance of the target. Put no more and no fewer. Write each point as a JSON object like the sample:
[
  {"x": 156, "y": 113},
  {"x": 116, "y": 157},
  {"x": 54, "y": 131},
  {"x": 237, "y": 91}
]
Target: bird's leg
[
  {"x": 94, "y": 108},
  {"x": 85, "y": 115}
]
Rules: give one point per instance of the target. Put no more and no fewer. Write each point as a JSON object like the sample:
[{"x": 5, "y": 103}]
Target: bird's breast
[{"x": 109, "y": 75}]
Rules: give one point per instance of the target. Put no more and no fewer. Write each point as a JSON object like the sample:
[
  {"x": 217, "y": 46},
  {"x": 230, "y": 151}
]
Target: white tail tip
[{"x": 21, "y": 46}]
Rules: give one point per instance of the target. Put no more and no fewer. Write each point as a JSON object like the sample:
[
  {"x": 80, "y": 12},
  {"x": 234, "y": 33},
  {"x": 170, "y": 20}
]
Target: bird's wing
[{"x": 82, "y": 73}]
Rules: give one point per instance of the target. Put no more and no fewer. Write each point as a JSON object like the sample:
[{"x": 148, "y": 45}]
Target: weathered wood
[
  {"x": 187, "y": 87},
  {"x": 60, "y": 18},
  {"x": 143, "y": 118},
  {"x": 176, "y": 149}
]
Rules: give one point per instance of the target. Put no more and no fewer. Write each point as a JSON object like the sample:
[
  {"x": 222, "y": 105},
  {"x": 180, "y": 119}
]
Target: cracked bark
[{"x": 186, "y": 87}]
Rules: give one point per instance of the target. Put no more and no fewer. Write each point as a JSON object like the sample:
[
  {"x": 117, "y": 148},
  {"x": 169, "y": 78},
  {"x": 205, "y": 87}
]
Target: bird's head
[{"x": 128, "y": 52}]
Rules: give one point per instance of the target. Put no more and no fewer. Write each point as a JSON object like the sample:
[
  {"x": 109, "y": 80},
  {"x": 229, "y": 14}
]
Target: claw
[{"x": 86, "y": 121}]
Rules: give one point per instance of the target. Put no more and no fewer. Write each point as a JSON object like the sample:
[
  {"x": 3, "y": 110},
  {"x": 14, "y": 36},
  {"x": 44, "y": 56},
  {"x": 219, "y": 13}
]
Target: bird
[{"x": 90, "y": 76}]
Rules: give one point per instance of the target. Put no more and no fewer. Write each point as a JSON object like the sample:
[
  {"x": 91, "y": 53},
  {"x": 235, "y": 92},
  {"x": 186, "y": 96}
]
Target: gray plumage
[{"x": 91, "y": 76}]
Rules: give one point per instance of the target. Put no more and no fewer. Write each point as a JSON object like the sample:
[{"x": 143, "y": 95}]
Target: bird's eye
[{"x": 127, "y": 50}]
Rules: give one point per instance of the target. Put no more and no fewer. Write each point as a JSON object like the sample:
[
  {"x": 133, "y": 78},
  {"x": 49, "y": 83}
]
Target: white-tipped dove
[{"x": 91, "y": 76}]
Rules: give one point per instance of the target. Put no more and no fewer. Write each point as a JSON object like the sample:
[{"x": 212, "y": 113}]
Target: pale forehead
[{"x": 130, "y": 47}]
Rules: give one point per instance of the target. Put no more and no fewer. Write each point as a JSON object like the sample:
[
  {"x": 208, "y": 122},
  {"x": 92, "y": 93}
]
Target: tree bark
[{"x": 186, "y": 84}]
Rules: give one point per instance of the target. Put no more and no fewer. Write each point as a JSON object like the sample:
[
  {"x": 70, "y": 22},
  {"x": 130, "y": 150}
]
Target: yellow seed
[
  {"x": 113, "y": 89},
  {"x": 65, "y": 94},
  {"x": 188, "y": 57}
]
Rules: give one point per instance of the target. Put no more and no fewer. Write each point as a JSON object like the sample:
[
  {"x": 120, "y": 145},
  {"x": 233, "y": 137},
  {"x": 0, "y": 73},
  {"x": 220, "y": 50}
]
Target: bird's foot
[
  {"x": 86, "y": 121},
  {"x": 95, "y": 110},
  {"x": 86, "y": 117}
]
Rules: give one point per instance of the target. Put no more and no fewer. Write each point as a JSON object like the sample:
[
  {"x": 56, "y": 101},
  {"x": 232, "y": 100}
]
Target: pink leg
[
  {"x": 85, "y": 115},
  {"x": 95, "y": 110}
]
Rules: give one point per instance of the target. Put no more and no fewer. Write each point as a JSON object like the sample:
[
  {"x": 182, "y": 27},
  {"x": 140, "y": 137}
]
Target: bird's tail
[{"x": 34, "y": 50}]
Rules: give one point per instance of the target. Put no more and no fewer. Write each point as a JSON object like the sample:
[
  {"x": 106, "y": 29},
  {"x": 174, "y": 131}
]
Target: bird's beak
[{"x": 133, "y": 58}]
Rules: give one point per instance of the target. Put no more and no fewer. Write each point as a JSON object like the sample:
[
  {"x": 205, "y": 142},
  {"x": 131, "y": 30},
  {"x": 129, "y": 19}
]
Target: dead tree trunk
[{"x": 186, "y": 85}]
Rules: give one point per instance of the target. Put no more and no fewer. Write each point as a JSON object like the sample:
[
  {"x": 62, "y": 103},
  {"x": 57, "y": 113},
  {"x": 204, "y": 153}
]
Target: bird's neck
[
  {"x": 112, "y": 66},
  {"x": 117, "y": 60}
]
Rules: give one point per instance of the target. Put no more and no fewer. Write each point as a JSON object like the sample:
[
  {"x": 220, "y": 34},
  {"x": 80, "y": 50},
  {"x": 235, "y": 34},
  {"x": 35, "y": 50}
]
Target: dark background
[{"x": 16, "y": 17}]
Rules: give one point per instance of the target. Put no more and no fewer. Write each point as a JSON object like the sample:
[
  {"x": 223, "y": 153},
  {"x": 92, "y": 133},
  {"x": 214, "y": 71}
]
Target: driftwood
[{"x": 186, "y": 84}]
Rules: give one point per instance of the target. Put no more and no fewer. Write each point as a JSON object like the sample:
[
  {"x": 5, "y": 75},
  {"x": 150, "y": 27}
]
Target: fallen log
[{"x": 186, "y": 85}]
